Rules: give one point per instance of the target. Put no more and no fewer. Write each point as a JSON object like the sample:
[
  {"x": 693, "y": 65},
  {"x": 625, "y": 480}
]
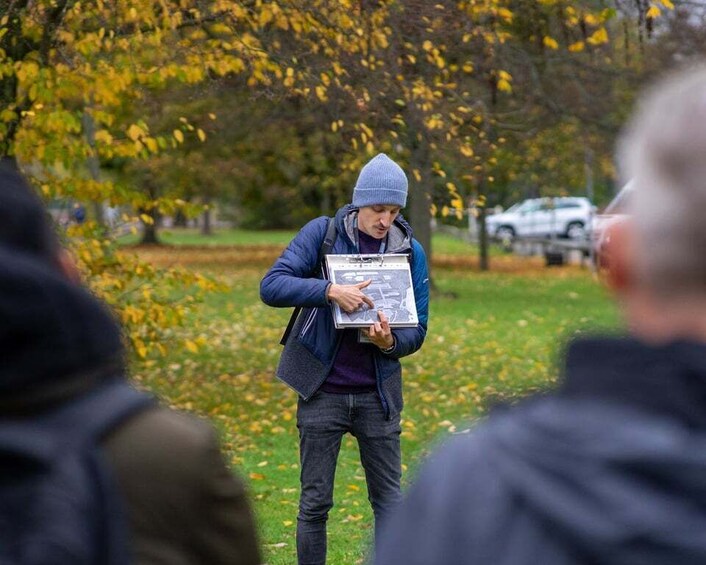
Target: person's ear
[
  {"x": 617, "y": 256},
  {"x": 67, "y": 266}
]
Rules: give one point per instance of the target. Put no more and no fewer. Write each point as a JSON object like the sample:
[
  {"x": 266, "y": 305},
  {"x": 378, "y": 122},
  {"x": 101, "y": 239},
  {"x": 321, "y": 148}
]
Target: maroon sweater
[{"x": 353, "y": 371}]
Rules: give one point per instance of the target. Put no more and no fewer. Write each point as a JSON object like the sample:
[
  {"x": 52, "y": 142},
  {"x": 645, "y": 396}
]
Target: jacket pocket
[{"x": 390, "y": 368}]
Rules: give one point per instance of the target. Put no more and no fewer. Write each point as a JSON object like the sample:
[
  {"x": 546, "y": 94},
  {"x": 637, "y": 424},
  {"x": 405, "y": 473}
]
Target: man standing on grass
[
  {"x": 611, "y": 467},
  {"x": 345, "y": 384}
]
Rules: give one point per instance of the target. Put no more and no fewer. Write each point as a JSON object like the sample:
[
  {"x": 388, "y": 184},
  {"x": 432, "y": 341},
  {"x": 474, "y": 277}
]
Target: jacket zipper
[{"x": 308, "y": 323}]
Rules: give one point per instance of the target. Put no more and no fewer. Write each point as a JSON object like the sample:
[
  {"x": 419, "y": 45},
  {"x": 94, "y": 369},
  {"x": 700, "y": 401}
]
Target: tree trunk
[
  {"x": 418, "y": 199},
  {"x": 418, "y": 205},
  {"x": 149, "y": 229},
  {"x": 483, "y": 239},
  {"x": 206, "y": 224},
  {"x": 326, "y": 205},
  {"x": 180, "y": 219},
  {"x": 588, "y": 169},
  {"x": 149, "y": 234},
  {"x": 89, "y": 132}
]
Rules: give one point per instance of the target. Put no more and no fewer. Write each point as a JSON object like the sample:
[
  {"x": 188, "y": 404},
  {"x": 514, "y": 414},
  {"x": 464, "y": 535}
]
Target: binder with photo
[{"x": 391, "y": 288}]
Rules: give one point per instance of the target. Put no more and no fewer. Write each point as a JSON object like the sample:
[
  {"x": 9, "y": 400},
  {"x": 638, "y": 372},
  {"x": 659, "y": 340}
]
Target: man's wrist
[{"x": 391, "y": 348}]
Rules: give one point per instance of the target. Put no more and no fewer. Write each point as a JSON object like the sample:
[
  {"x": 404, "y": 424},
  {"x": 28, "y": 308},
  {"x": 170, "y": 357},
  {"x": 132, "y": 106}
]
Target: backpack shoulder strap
[
  {"x": 324, "y": 249},
  {"x": 109, "y": 406},
  {"x": 92, "y": 415},
  {"x": 327, "y": 243},
  {"x": 76, "y": 423},
  {"x": 99, "y": 413}
]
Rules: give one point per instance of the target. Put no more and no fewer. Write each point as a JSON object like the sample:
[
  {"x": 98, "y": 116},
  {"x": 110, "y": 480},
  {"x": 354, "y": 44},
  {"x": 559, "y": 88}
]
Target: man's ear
[
  {"x": 67, "y": 266},
  {"x": 617, "y": 256}
]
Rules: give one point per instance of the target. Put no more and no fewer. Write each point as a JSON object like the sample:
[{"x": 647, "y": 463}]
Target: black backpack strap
[
  {"x": 329, "y": 240},
  {"x": 110, "y": 405},
  {"x": 101, "y": 412},
  {"x": 325, "y": 249},
  {"x": 95, "y": 413}
]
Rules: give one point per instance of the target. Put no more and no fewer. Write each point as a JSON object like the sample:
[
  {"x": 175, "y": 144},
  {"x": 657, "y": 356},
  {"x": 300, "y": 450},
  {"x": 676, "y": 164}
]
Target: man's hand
[
  {"x": 350, "y": 297},
  {"x": 380, "y": 332}
]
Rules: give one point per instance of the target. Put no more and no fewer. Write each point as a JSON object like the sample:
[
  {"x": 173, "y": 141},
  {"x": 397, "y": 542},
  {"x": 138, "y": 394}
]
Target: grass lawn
[
  {"x": 443, "y": 244},
  {"x": 191, "y": 236},
  {"x": 492, "y": 337}
]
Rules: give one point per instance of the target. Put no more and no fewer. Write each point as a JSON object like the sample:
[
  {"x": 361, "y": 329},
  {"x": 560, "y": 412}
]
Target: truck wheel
[
  {"x": 506, "y": 235},
  {"x": 576, "y": 230}
]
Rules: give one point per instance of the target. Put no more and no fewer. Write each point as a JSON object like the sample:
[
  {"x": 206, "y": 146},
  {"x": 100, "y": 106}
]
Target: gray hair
[{"x": 663, "y": 151}]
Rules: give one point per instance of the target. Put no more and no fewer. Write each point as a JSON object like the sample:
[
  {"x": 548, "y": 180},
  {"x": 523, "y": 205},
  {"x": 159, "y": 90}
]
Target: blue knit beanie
[{"x": 381, "y": 182}]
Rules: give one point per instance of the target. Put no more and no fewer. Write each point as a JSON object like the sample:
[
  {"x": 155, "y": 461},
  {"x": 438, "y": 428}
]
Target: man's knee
[
  {"x": 310, "y": 511},
  {"x": 384, "y": 503},
  {"x": 315, "y": 502}
]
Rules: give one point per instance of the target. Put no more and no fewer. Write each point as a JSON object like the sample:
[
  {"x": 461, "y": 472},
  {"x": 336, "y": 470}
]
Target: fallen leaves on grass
[{"x": 493, "y": 343}]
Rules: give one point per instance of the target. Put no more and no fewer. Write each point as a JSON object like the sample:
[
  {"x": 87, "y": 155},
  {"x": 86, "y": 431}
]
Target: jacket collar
[
  {"x": 399, "y": 237},
  {"x": 669, "y": 379}
]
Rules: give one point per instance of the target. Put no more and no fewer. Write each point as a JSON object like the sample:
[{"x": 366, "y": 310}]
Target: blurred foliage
[
  {"x": 264, "y": 111},
  {"x": 151, "y": 303},
  {"x": 73, "y": 80}
]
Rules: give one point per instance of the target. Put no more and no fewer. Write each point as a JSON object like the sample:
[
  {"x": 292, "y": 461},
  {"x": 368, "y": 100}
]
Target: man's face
[{"x": 376, "y": 220}]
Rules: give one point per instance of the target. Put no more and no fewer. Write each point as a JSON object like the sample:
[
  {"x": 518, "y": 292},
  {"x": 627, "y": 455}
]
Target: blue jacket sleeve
[
  {"x": 290, "y": 281},
  {"x": 409, "y": 340}
]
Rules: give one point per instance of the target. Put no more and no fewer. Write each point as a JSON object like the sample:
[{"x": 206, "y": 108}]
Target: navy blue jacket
[
  {"x": 311, "y": 349},
  {"x": 609, "y": 469}
]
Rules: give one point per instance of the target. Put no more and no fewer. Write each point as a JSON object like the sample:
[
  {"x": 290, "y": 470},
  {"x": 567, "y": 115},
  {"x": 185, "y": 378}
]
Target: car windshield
[
  {"x": 514, "y": 207},
  {"x": 529, "y": 206}
]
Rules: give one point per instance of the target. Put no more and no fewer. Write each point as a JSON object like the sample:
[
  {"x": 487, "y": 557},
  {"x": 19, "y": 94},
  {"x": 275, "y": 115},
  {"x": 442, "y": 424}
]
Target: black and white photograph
[{"x": 390, "y": 290}]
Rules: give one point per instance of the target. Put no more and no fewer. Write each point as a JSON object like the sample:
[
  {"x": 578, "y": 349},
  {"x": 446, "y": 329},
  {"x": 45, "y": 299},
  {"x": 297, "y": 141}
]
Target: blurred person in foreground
[
  {"x": 165, "y": 496},
  {"x": 609, "y": 468}
]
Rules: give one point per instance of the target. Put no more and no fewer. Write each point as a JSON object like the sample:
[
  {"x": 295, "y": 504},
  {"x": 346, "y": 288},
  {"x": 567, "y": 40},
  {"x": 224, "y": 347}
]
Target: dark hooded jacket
[
  {"x": 313, "y": 344},
  {"x": 609, "y": 469},
  {"x": 57, "y": 343}
]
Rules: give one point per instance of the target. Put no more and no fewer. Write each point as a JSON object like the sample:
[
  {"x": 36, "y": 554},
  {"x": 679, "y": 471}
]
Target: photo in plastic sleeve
[{"x": 390, "y": 290}]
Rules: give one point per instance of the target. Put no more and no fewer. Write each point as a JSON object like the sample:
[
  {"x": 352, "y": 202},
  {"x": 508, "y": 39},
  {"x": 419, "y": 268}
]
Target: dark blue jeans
[{"x": 322, "y": 422}]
